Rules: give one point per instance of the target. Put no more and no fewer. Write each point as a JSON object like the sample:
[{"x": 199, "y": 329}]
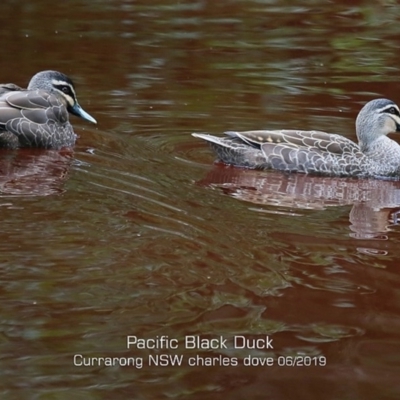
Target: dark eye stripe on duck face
[
  {"x": 66, "y": 90},
  {"x": 391, "y": 109}
]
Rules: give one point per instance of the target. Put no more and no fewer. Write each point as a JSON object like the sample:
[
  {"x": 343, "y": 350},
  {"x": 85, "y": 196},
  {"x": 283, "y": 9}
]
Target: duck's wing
[
  {"x": 314, "y": 152},
  {"x": 37, "y": 118},
  {"x": 318, "y": 140},
  {"x": 284, "y": 157}
]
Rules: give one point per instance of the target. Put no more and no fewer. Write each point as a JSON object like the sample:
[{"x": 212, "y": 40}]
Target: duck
[
  {"x": 38, "y": 116},
  {"x": 317, "y": 152}
]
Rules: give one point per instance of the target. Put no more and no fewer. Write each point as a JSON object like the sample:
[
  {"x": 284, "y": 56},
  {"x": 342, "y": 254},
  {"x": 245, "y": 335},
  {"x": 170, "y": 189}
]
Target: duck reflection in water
[
  {"x": 34, "y": 172},
  {"x": 375, "y": 203}
]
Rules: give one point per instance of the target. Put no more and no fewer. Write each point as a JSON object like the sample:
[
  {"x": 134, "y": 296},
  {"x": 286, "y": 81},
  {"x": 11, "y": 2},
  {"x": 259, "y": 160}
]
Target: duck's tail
[{"x": 232, "y": 150}]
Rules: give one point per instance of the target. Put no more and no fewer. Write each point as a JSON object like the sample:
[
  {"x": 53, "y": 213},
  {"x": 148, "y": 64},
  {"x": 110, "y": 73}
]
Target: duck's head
[
  {"x": 56, "y": 82},
  {"x": 376, "y": 119}
]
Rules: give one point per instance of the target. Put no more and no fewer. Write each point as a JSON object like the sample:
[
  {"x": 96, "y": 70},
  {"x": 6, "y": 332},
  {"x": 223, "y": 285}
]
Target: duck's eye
[
  {"x": 65, "y": 89},
  {"x": 393, "y": 110}
]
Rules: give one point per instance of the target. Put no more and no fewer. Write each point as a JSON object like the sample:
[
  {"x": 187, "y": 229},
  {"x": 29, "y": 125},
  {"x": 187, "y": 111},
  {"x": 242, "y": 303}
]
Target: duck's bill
[{"x": 80, "y": 112}]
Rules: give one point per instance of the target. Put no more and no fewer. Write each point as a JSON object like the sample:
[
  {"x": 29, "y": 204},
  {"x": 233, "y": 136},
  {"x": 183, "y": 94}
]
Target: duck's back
[
  {"x": 330, "y": 142},
  {"x": 33, "y": 118}
]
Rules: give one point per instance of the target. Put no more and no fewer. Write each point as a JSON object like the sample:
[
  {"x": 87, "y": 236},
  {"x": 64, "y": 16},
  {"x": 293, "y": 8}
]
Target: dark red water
[{"x": 136, "y": 236}]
